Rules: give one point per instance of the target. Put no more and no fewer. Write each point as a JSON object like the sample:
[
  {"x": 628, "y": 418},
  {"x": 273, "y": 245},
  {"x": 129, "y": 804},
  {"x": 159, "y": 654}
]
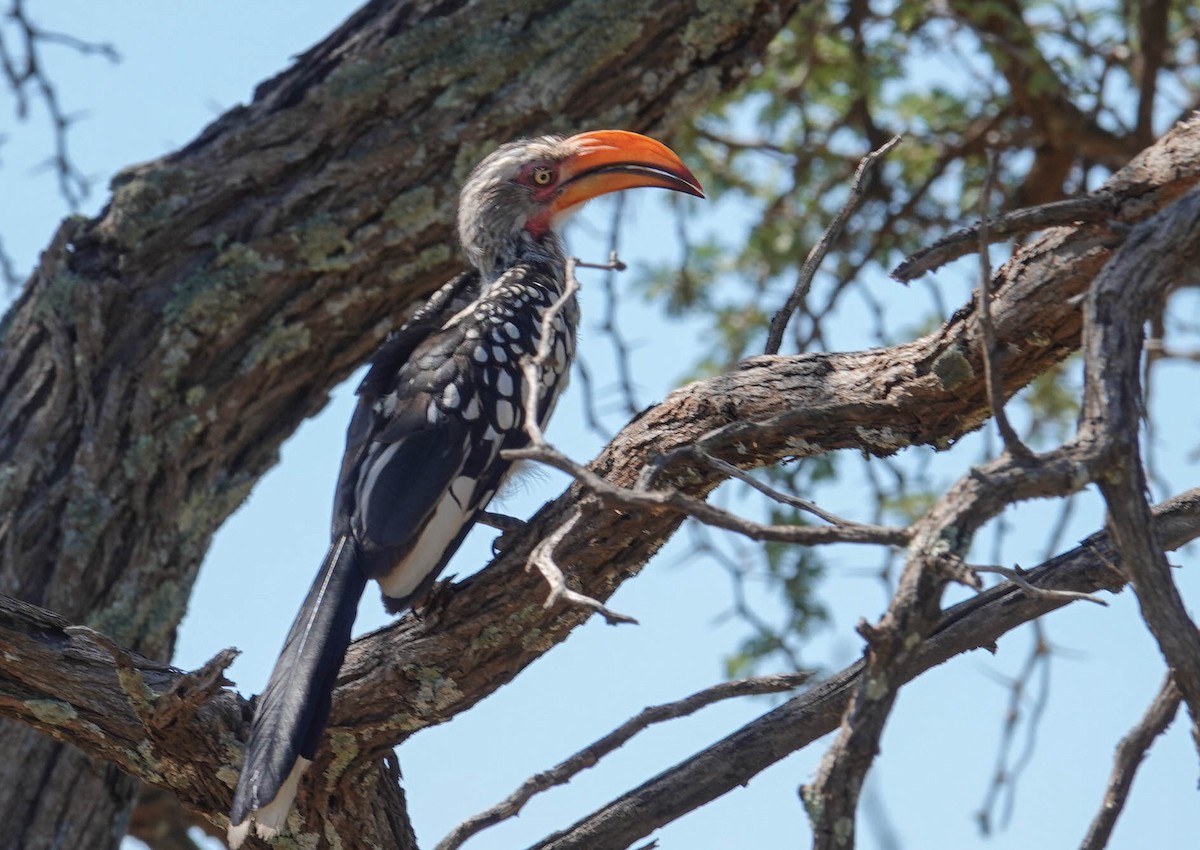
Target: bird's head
[{"x": 516, "y": 197}]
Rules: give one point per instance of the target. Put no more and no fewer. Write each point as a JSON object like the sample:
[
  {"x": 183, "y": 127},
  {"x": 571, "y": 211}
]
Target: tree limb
[
  {"x": 1130, "y": 753},
  {"x": 142, "y": 507},
  {"x": 67, "y": 686},
  {"x": 590, "y": 755},
  {"x": 974, "y": 624},
  {"x": 162, "y": 351},
  {"x": 1117, "y": 306}
]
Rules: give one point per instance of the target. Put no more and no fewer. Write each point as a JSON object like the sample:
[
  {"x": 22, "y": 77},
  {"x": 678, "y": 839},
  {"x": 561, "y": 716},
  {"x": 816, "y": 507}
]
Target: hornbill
[{"x": 444, "y": 396}]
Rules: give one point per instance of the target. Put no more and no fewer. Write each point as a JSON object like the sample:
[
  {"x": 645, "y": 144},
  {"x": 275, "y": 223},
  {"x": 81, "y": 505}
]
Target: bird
[{"x": 443, "y": 398}]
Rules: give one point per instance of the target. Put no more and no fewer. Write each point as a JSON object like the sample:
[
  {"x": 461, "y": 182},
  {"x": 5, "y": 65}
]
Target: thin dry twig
[
  {"x": 610, "y": 326},
  {"x": 1017, "y": 577},
  {"x": 24, "y": 70},
  {"x": 708, "y": 513},
  {"x": 1090, "y": 208},
  {"x": 1130, "y": 753},
  {"x": 542, "y": 557},
  {"x": 992, "y": 379},
  {"x": 726, "y": 468},
  {"x": 816, "y": 256},
  {"x": 1002, "y": 788},
  {"x": 590, "y": 755}
]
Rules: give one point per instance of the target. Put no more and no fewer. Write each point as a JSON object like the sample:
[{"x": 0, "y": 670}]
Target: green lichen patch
[
  {"x": 52, "y": 711},
  {"x": 953, "y": 368},
  {"x": 321, "y": 243},
  {"x": 487, "y": 638},
  {"x": 414, "y": 210},
  {"x": 212, "y": 298},
  {"x": 281, "y": 343},
  {"x": 145, "y": 197},
  {"x": 85, "y": 517},
  {"x": 435, "y": 692},
  {"x": 345, "y": 748},
  {"x": 141, "y": 458}
]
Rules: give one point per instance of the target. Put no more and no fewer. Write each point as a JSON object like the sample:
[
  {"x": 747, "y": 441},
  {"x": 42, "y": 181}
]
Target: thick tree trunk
[{"x": 162, "y": 351}]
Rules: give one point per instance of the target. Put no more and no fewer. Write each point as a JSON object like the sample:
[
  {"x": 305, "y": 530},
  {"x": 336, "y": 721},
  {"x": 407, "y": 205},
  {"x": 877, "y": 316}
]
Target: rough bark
[
  {"x": 489, "y": 627},
  {"x": 162, "y": 351},
  {"x": 178, "y": 739}
]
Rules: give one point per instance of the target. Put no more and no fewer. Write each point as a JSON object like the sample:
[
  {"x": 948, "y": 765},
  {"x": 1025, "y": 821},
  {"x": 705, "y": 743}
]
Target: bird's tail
[{"x": 292, "y": 711}]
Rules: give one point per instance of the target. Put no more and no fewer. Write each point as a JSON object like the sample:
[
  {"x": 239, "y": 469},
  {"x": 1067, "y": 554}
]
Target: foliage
[{"x": 1061, "y": 93}]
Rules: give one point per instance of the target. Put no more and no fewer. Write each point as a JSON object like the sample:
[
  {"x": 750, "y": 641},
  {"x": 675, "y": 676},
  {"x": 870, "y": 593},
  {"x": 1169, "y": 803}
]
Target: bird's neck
[{"x": 523, "y": 249}]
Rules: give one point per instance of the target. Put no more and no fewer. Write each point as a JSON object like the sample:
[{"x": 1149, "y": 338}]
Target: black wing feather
[{"x": 401, "y": 483}]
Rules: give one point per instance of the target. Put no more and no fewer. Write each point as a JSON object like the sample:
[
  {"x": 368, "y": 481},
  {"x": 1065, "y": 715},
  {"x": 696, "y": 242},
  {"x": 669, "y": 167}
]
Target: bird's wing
[{"x": 423, "y": 450}]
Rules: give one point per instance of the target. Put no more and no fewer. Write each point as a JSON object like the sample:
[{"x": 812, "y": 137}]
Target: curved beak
[{"x": 611, "y": 160}]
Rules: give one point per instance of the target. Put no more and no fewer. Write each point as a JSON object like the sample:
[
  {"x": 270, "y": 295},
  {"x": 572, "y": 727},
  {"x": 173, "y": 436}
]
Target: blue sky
[{"x": 183, "y": 64}]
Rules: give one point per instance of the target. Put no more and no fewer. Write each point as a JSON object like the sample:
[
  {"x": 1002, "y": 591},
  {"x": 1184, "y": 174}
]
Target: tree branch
[
  {"x": 163, "y": 351},
  {"x": 590, "y": 755},
  {"x": 1130, "y": 753},
  {"x": 974, "y": 624},
  {"x": 828, "y": 239},
  {"x": 1117, "y": 306},
  {"x": 229, "y": 305}
]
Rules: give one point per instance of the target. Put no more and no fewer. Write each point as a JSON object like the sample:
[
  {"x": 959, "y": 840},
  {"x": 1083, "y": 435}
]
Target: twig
[
  {"x": 26, "y": 70},
  {"x": 542, "y": 557},
  {"x": 765, "y": 636},
  {"x": 992, "y": 380},
  {"x": 532, "y": 366},
  {"x": 590, "y": 755},
  {"x": 1017, "y": 577},
  {"x": 610, "y": 327},
  {"x": 770, "y": 492},
  {"x": 1091, "y": 208},
  {"x": 1004, "y": 776},
  {"x": 1129, "y": 755},
  {"x": 1009, "y": 768},
  {"x": 710, "y": 514},
  {"x": 500, "y": 522},
  {"x": 817, "y": 255}
]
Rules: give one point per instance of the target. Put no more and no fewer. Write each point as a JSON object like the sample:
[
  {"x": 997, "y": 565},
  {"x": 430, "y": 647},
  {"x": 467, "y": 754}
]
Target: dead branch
[
  {"x": 542, "y": 558},
  {"x": 1128, "y": 758},
  {"x": 974, "y": 624},
  {"x": 1017, "y": 577},
  {"x": 590, "y": 755},
  {"x": 991, "y": 375},
  {"x": 828, "y": 239},
  {"x": 1096, "y": 207},
  {"x": 1117, "y": 306},
  {"x": 1104, "y": 449}
]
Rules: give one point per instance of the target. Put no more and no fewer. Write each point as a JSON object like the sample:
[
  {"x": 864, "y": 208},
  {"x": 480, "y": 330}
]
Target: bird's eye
[{"x": 541, "y": 176}]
